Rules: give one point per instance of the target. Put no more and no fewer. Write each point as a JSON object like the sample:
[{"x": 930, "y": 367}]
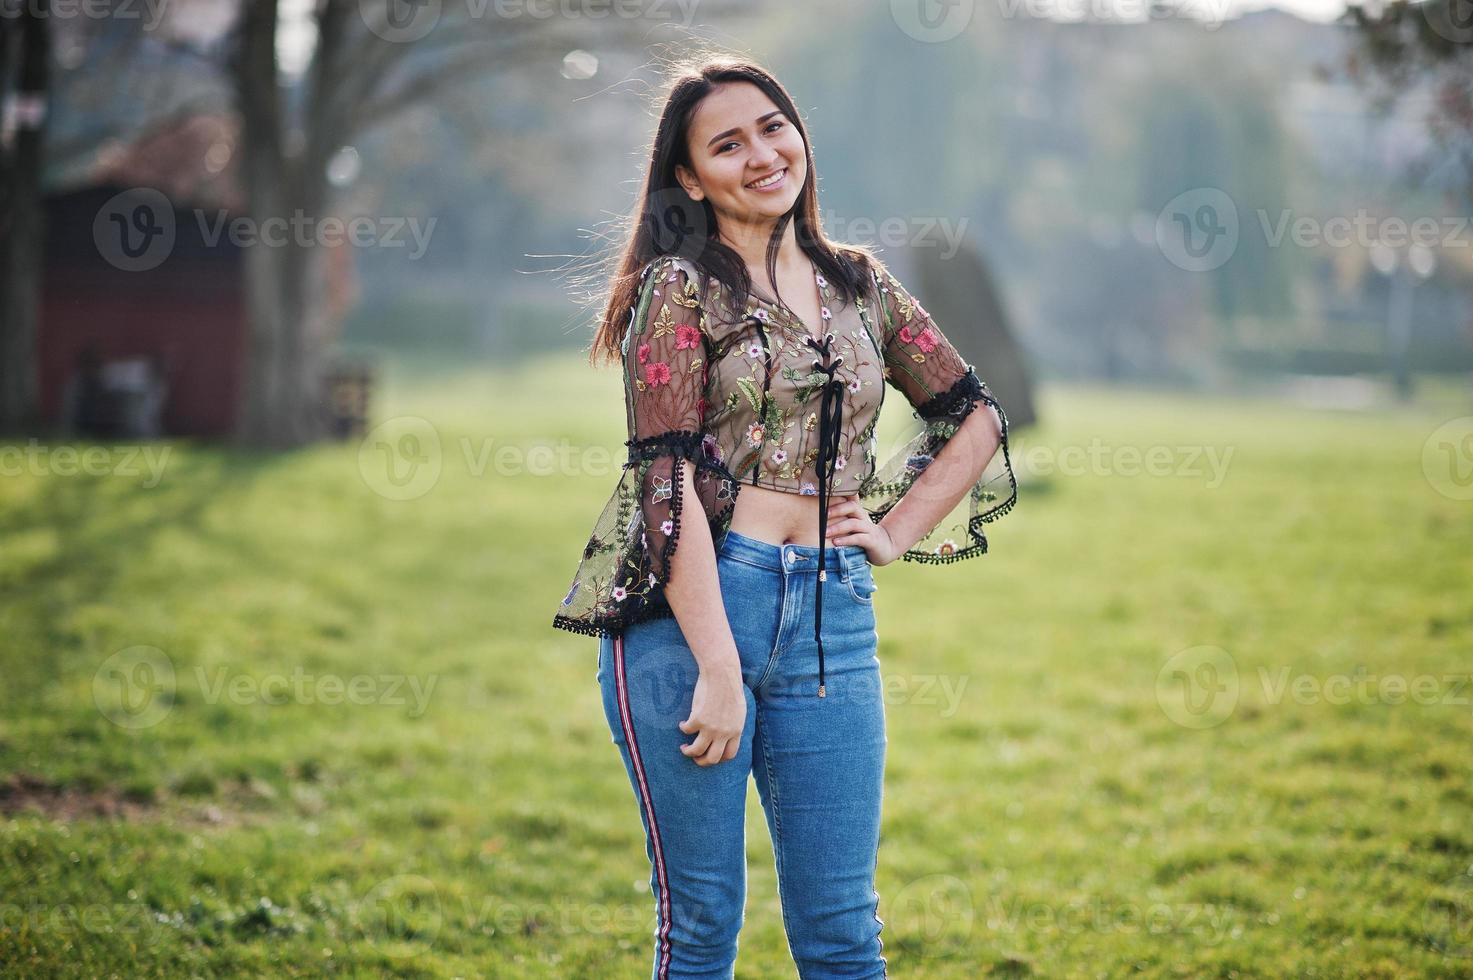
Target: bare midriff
[{"x": 778, "y": 517}]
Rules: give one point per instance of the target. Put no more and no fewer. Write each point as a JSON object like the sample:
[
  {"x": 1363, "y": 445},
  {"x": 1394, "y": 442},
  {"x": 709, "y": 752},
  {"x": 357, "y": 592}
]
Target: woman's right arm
[{"x": 665, "y": 379}]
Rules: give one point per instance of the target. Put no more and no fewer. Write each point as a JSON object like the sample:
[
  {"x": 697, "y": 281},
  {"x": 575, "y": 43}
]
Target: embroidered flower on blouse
[
  {"x": 667, "y": 526},
  {"x": 687, "y": 337},
  {"x": 619, "y": 593},
  {"x": 657, "y": 373},
  {"x": 821, "y": 280},
  {"x": 854, "y": 385},
  {"x": 839, "y": 462},
  {"x": 754, "y": 350},
  {"x": 946, "y": 547},
  {"x": 644, "y": 353},
  {"x": 755, "y": 434},
  {"x": 825, "y": 312},
  {"x": 779, "y": 456},
  {"x": 760, "y": 314},
  {"x": 711, "y": 447},
  {"x": 808, "y": 488}
]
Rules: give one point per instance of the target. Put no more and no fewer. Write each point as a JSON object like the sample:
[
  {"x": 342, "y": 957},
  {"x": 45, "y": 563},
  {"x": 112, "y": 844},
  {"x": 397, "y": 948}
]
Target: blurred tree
[
  {"x": 1423, "y": 48},
  {"x": 1409, "y": 48},
  {"x": 24, "y": 77}
]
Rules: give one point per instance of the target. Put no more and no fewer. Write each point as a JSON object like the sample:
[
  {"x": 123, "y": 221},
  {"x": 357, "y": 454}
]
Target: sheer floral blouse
[{"x": 752, "y": 396}]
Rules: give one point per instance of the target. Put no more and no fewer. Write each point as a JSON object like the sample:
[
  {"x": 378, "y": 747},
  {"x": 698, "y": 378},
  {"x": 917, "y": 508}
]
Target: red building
[{"x": 136, "y": 270}]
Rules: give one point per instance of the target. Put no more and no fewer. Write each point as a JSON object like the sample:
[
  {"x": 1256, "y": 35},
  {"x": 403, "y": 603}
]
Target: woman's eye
[{"x": 769, "y": 127}]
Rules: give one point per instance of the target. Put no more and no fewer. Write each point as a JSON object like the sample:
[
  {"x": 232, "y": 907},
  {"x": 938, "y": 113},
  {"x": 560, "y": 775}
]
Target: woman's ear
[{"x": 689, "y": 182}]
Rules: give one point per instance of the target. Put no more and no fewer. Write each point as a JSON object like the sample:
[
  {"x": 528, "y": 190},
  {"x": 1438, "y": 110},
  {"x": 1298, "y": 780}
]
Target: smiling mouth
[{"x": 769, "y": 180}]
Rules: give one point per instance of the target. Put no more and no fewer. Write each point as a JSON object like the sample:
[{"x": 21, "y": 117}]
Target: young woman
[{"x": 751, "y": 647}]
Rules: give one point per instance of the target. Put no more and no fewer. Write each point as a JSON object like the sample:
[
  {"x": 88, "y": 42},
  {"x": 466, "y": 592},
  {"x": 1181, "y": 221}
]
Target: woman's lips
[{"x": 775, "y": 185}]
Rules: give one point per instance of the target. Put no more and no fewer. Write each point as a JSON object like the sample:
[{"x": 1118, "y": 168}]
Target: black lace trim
[
  {"x": 653, "y": 604},
  {"x": 680, "y": 442},
  {"x": 955, "y": 402}
]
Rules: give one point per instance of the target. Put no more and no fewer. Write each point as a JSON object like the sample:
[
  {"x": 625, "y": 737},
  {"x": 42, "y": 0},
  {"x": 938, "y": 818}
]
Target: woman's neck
[{"x": 750, "y": 242}]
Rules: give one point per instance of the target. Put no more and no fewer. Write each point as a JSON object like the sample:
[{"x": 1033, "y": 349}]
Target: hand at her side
[{"x": 718, "y": 715}]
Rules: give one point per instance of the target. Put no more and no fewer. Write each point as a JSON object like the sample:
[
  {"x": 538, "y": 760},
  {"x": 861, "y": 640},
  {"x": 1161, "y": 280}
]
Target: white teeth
[{"x": 770, "y": 180}]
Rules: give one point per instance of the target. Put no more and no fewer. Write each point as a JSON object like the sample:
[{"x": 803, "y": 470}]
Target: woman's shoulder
[
  {"x": 665, "y": 267},
  {"x": 699, "y": 286}
]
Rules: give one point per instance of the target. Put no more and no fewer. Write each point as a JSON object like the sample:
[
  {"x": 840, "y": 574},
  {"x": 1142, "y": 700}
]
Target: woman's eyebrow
[{"x": 732, "y": 132}]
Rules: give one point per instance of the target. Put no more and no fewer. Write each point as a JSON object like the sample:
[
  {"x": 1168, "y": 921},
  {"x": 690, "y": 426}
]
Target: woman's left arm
[
  {"x": 908, "y": 507},
  {"x": 945, "y": 481}
]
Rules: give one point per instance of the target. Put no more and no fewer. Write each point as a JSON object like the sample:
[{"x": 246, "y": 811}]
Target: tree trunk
[
  {"x": 21, "y": 231},
  {"x": 283, "y": 404}
]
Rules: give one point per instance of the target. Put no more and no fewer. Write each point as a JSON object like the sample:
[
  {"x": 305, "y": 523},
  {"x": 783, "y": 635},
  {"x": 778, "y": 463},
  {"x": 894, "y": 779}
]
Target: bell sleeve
[
  {"x": 627, "y": 561},
  {"x": 942, "y": 389}
]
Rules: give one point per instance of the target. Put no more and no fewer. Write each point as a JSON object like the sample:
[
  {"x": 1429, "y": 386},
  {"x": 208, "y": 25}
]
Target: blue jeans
[{"x": 819, "y": 764}]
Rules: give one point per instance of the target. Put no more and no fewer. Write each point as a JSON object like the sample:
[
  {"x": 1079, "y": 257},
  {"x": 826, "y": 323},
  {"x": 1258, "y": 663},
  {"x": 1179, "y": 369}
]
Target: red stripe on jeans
[{"x": 626, "y": 718}]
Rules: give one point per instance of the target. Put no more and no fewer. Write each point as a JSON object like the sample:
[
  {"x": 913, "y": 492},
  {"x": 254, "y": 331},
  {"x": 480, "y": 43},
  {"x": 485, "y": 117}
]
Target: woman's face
[{"x": 738, "y": 136}]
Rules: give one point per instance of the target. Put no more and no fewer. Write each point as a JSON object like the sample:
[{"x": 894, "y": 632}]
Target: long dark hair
[{"x": 667, "y": 221}]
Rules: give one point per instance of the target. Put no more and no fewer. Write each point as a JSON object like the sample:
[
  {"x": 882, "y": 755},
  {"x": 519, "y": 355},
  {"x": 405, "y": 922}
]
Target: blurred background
[{"x": 295, "y": 304}]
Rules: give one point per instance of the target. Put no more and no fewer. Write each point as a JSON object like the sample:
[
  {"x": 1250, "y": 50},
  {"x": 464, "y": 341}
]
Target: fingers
[
  {"x": 709, "y": 750},
  {"x": 699, "y": 747}
]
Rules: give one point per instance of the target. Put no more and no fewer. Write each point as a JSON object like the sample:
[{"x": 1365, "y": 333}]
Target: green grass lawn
[{"x": 302, "y": 715}]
